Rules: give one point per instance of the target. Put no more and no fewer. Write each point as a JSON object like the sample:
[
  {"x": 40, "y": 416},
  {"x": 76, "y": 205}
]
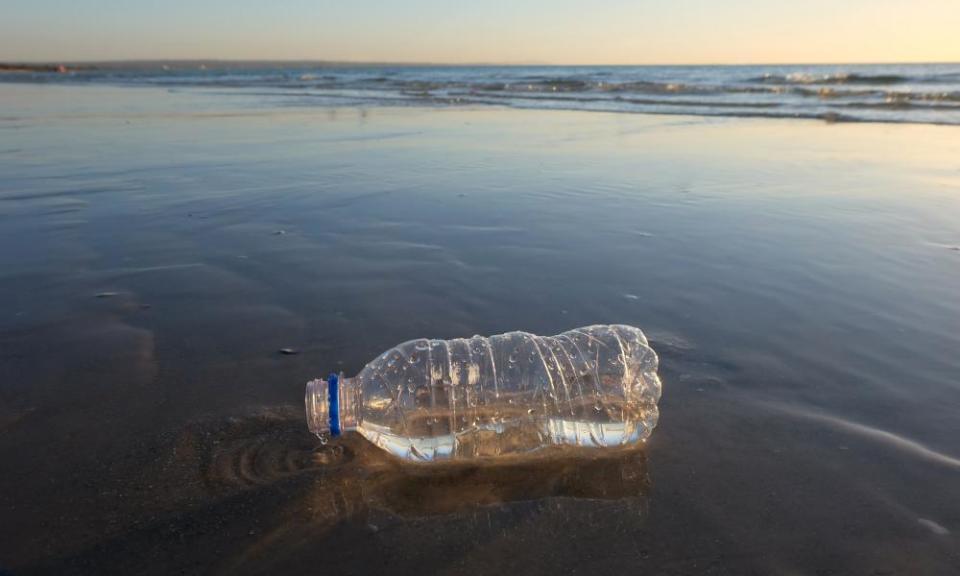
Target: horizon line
[{"x": 318, "y": 61}]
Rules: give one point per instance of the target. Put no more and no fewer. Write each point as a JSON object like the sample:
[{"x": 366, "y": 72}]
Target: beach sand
[{"x": 158, "y": 248}]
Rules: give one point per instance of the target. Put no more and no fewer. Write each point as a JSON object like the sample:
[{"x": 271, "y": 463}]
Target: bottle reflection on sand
[
  {"x": 350, "y": 491},
  {"x": 350, "y": 477},
  {"x": 367, "y": 480}
]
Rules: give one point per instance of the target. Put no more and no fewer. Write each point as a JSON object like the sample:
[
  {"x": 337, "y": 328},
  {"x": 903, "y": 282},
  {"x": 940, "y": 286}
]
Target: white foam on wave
[
  {"x": 890, "y": 439},
  {"x": 937, "y": 529}
]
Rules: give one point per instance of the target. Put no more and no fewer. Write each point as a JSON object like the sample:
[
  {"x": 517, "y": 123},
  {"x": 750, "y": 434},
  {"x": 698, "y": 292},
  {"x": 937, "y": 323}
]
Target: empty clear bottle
[{"x": 512, "y": 394}]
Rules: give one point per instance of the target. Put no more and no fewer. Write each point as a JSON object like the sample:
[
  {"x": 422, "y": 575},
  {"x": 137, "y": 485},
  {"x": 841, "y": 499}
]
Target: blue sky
[{"x": 494, "y": 31}]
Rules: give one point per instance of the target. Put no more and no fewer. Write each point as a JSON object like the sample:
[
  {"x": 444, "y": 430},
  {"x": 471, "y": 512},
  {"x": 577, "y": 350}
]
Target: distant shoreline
[
  {"x": 28, "y": 68},
  {"x": 6, "y": 67},
  {"x": 174, "y": 64}
]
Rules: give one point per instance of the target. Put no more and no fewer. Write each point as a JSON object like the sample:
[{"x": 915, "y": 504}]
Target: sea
[{"x": 918, "y": 93}]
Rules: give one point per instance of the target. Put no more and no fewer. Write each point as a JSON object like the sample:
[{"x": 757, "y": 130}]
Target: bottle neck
[{"x": 333, "y": 405}]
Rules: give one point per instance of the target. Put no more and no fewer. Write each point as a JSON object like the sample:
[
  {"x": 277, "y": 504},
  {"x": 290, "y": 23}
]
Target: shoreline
[{"x": 378, "y": 104}]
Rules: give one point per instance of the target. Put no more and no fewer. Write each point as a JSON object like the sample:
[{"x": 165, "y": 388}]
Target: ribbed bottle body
[{"x": 514, "y": 393}]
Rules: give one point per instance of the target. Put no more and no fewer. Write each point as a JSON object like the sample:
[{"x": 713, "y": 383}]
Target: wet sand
[{"x": 157, "y": 250}]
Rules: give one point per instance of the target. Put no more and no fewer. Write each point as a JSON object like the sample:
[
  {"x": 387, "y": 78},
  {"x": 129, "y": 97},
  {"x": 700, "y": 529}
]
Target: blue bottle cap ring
[{"x": 333, "y": 398}]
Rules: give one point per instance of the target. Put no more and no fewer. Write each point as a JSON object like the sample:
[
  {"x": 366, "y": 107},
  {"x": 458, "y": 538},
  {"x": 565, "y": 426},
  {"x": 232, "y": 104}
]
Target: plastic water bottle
[{"x": 512, "y": 394}]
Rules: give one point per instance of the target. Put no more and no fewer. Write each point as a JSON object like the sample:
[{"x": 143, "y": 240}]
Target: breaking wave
[
  {"x": 842, "y": 78},
  {"x": 896, "y": 93}
]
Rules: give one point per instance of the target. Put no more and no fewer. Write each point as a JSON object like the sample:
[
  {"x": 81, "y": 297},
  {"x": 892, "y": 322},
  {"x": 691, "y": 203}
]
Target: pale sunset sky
[{"x": 485, "y": 31}]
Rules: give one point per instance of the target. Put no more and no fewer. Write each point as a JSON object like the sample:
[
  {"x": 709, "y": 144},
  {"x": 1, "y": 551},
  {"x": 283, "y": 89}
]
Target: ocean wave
[
  {"x": 578, "y": 86},
  {"x": 802, "y": 78},
  {"x": 827, "y": 92},
  {"x": 913, "y": 93},
  {"x": 583, "y": 99},
  {"x": 904, "y": 104},
  {"x": 937, "y": 96}
]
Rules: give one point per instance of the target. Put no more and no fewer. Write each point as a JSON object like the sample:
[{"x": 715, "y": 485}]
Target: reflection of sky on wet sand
[{"x": 157, "y": 429}]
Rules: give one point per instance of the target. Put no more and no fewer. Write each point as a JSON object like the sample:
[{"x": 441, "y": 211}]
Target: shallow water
[{"x": 157, "y": 249}]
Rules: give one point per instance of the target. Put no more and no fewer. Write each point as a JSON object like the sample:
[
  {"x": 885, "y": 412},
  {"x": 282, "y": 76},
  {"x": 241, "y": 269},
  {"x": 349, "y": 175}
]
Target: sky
[{"x": 485, "y": 31}]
